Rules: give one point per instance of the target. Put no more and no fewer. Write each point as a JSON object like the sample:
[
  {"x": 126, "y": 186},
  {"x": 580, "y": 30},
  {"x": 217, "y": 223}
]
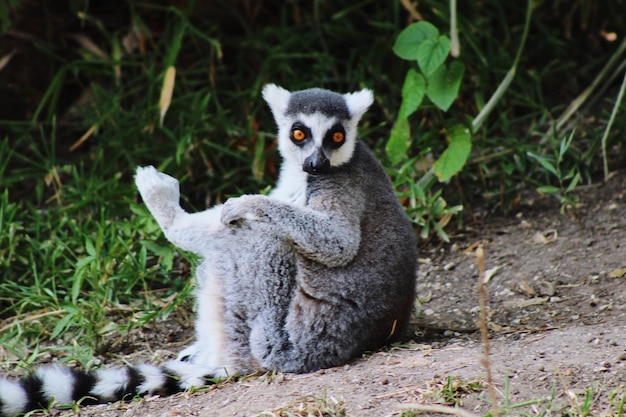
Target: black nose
[{"x": 316, "y": 163}]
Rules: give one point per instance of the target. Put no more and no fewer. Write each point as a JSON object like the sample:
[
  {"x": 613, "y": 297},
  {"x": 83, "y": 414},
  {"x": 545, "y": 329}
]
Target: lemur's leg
[
  {"x": 198, "y": 233},
  {"x": 210, "y": 349},
  {"x": 257, "y": 295},
  {"x": 161, "y": 194}
]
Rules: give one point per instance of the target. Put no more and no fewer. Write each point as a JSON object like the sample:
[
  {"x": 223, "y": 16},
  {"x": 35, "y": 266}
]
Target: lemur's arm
[{"x": 330, "y": 235}]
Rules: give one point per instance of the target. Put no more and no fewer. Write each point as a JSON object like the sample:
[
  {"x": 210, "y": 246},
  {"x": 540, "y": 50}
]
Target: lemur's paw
[
  {"x": 201, "y": 357},
  {"x": 189, "y": 353},
  {"x": 246, "y": 207},
  {"x": 155, "y": 186}
]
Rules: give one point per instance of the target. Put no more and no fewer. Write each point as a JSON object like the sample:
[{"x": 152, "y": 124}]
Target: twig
[
  {"x": 415, "y": 15},
  {"x": 442, "y": 409},
  {"x": 30, "y": 317},
  {"x": 83, "y": 138},
  {"x": 455, "y": 46},
  {"x": 482, "y": 325}
]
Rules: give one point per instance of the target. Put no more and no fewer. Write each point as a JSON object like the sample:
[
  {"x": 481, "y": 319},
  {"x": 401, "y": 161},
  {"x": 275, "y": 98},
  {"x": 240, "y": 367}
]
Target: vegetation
[{"x": 90, "y": 90}]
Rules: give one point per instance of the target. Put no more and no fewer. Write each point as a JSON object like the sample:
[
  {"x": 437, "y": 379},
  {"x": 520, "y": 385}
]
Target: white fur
[
  {"x": 358, "y": 102},
  {"x": 209, "y": 350},
  {"x": 109, "y": 381},
  {"x": 153, "y": 378},
  {"x": 278, "y": 100},
  {"x": 57, "y": 383},
  {"x": 291, "y": 186},
  {"x": 161, "y": 194},
  {"x": 13, "y": 397},
  {"x": 189, "y": 230},
  {"x": 190, "y": 374}
]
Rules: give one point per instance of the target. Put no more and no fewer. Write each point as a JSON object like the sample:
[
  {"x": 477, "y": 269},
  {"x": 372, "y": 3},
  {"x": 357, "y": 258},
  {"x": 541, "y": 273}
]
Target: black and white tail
[{"x": 63, "y": 385}]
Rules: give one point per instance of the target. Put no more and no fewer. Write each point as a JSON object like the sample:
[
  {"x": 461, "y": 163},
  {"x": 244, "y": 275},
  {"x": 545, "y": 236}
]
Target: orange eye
[
  {"x": 338, "y": 137},
  {"x": 298, "y": 134}
]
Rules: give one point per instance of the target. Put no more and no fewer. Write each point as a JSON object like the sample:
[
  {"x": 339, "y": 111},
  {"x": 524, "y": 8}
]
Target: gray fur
[
  {"x": 309, "y": 101},
  {"x": 324, "y": 282},
  {"x": 309, "y": 278}
]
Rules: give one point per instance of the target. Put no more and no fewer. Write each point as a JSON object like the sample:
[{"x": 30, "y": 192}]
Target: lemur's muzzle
[{"x": 317, "y": 163}]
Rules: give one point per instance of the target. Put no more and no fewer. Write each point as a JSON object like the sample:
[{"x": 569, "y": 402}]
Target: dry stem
[{"x": 482, "y": 325}]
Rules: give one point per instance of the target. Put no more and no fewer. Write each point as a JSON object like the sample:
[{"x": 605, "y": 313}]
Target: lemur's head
[{"x": 316, "y": 128}]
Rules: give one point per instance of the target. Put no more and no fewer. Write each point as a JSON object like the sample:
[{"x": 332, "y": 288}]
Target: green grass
[{"x": 80, "y": 257}]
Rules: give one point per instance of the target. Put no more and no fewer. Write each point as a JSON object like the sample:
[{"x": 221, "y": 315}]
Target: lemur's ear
[
  {"x": 358, "y": 102},
  {"x": 277, "y": 98}
]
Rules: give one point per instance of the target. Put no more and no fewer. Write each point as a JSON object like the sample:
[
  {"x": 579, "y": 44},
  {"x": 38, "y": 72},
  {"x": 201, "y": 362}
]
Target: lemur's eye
[
  {"x": 338, "y": 137},
  {"x": 298, "y": 135}
]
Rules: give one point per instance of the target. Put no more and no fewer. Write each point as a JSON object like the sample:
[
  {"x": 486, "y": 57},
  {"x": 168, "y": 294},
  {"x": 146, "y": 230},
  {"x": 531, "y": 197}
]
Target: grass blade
[
  {"x": 166, "y": 92},
  {"x": 618, "y": 102}
]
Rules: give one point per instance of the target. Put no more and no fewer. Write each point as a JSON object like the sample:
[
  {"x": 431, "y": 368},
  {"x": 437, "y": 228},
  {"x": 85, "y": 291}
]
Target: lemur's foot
[
  {"x": 160, "y": 192},
  {"x": 246, "y": 207}
]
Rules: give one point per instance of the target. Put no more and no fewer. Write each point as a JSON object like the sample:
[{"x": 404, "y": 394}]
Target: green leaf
[
  {"x": 61, "y": 325},
  {"x": 418, "y": 192},
  {"x": 574, "y": 183},
  {"x": 441, "y": 233},
  {"x": 399, "y": 141},
  {"x": 545, "y": 163},
  {"x": 432, "y": 52},
  {"x": 564, "y": 146},
  {"x": 453, "y": 159},
  {"x": 412, "y": 93},
  {"x": 409, "y": 39},
  {"x": 443, "y": 84},
  {"x": 548, "y": 189},
  {"x": 89, "y": 247},
  {"x": 143, "y": 256}
]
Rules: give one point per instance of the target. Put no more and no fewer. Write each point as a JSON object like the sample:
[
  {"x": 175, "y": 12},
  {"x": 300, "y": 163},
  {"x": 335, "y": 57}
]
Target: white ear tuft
[
  {"x": 277, "y": 98},
  {"x": 358, "y": 102}
]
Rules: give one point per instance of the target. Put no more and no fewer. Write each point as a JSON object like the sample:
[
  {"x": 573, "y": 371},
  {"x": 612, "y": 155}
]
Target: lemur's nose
[{"x": 317, "y": 163}]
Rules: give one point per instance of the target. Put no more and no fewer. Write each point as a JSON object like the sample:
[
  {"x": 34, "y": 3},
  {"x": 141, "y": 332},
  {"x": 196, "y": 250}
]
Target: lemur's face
[{"x": 316, "y": 128}]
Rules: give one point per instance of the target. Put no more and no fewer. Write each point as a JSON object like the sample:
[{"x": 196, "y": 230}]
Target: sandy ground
[{"x": 557, "y": 301}]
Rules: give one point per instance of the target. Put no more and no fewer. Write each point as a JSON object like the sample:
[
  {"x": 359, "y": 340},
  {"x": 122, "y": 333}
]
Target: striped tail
[{"x": 65, "y": 385}]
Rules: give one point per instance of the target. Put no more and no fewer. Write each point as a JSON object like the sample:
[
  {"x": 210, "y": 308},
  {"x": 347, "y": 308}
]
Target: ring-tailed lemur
[{"x": 308, "y": 277}]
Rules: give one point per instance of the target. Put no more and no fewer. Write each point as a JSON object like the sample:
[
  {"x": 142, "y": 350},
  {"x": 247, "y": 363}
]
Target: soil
[{"x": 556, "y": 319}]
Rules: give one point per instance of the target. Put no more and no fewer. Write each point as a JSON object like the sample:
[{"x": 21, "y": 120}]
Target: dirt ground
[{"x": 557, "y": 304}]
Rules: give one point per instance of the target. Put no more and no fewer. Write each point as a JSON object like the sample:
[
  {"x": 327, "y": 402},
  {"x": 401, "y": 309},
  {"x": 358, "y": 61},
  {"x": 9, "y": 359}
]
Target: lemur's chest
[{"x": 292, "y": 186}]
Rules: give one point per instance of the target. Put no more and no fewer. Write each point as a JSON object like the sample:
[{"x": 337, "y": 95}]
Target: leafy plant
[
  {"x": 422, "y": 43},
  {"x": 568, "y": 178},
  {"x": 429, "y": 211}
]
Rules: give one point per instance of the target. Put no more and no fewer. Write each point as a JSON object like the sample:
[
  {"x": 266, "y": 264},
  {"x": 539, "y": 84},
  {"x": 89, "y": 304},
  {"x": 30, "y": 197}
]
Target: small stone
[
  {"x": 449, "y": 266},
  {"x": 546, "y": 288}
]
